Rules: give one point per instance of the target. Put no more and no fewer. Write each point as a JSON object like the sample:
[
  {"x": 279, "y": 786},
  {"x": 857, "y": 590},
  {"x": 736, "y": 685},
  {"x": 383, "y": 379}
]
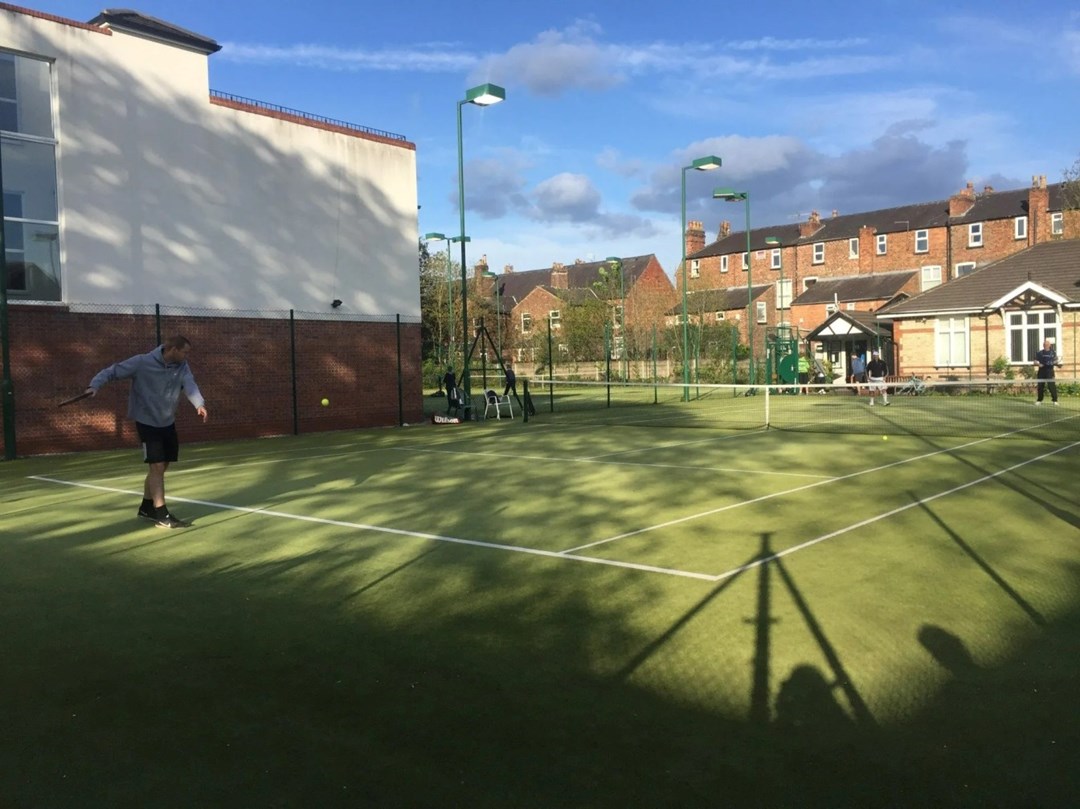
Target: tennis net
[{"x": 970, "y": 408}]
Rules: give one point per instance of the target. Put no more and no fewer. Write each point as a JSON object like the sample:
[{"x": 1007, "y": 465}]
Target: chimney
[
  {"x": 988, "y": 190},
  {"x": 507, "y": 269},
  {"x": 481, "y": 267},
  {"x": 961, "y": 202},
  {"x": 835, "y": 213},
  {"x": 559, "y": 276},
  {"x": 810, "y": 226},
  {"x": 578, "y": 261},
  {"x": 725, "y": 230},
  {"x": 1038, "y": 210},
  {"x": 867, "y": 248},
  {"x": 695, "y": 237}
]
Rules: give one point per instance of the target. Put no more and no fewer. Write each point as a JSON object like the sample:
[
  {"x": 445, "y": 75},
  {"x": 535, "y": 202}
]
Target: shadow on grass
[{"x": 199, "y": 683}]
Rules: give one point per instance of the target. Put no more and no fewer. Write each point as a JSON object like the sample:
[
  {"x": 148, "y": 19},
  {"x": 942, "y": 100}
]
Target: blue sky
[{"x": 844, "y": 105}]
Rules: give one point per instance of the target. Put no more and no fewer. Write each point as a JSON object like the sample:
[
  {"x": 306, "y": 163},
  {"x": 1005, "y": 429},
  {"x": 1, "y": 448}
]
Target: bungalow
[{"x": 998, "y": 314}]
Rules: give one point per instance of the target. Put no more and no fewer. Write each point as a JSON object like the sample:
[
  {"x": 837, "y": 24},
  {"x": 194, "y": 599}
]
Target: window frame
[
  {"x": 945, "y": 331},
  {"x": 882, "y": 245},
  {"x": 723, "y": 263},
  {"x": 761, "y": 312},
  {"x": 776, "y": 260},
  {"x": 1020, "y": 227},
  {"x": 1035, "y": 332},
  {"x": 1057, "y": 223},
  {"x": 975, "y": 235},
  {"x": 922, "y": 277},
  {"x": 922, "y": 236},
  {"x": 695, "y": 268},
  {"x": 746, "y": 262},
  {"x": 526, "y": 322},
  {"x": 968, "y": 264},
  {"x": 555, "y": 318},
  {"x": 818, "y": 256},
  {"x": 853, "y": 247}
]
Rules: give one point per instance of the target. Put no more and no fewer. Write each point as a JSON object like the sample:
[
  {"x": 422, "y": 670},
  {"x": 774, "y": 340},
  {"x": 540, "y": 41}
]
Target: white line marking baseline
[{"x": 395, "y": 531}]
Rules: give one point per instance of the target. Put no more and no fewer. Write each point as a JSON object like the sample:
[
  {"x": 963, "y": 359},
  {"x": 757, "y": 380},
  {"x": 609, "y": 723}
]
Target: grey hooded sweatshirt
[{"x": 155, "y": 386}]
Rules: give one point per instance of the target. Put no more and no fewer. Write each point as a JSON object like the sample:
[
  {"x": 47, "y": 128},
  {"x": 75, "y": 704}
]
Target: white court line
[
  {"x": 764, "y": 497},
  {"x": 395, "y": 531},
  {"x": 599, "y": 460},
  {"x": 871, "y": 520}
]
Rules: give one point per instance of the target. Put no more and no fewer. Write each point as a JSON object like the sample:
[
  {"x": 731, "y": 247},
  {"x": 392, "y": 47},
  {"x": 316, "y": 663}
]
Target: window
[
  {"x": 1027, "y": 331},
  {"x": 745, "y": 261},
  {"x": 931, "y": 277},
  {"x": 830, "y": 309},
  {"x": 721, "y": 315},
  {"x": 783, "y": 294},
  {"x": 31, "y": 217},
  {"x": 975, "y": 234},
  {"x": 882, "y": 244},
  {"x": 852, "y": 248},
  {"x": 922, "y": 241},
  {"x": 808, "y": 282},
  {"x": 1057, "y": 223},
  {"x": 1020, "y": 227},
  {"x": 695, "y": 268},
  {"x": 850, "y": 307},
  {"x": 951, "y": 341},
  {"x": 723, "y": 263},
  {"x": 526, "y": 322},
  {"x": 776, "y": 260},
  {"x": 963, "y": 268},
  {"x": 617, "y": 313},
  {"x": 555, "y": 316},
  {"x": 819, "y": 252},
  {"x": 762, "y": 311}
]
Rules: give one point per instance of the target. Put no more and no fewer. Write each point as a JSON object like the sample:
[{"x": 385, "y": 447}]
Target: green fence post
[
  {"x": 292, "y": 357},
  {"x": 400, "y": 385},
  {"x": 551, "y": 370}
]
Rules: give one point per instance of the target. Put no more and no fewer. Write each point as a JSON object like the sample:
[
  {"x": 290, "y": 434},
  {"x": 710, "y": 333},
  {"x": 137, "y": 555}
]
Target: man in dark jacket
[{"x": 1046, "y": 360}]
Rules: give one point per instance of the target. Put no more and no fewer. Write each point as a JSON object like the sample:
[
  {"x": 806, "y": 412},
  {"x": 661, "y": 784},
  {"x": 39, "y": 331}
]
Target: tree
[
  {"x": 438, "y": 292},
  {"x": 1070, "y": 188}
]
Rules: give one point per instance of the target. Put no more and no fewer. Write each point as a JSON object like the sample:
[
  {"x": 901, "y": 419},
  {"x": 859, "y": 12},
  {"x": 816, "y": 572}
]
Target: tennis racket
[{"x": 76, "y": 398}]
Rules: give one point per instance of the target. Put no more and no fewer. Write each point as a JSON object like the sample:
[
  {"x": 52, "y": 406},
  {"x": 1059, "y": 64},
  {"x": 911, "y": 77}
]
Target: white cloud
[{"x": 421, "y": 60}]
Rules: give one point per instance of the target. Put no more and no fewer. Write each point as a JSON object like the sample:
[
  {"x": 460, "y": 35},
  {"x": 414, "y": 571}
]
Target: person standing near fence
[
  {"x": 858, "y": 371},
  {"x": 157, "y": 379},
  {"x": 1046, "y": 360},
  {"x": 449, "y": 381},
  {"x": 511, "y": 381},
  {"x": 804, "y": 372},
  {"x": 876, "y": 371}
]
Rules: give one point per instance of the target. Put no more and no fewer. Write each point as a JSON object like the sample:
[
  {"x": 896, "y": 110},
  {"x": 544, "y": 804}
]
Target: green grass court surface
[{"x": 547, "y": 615}]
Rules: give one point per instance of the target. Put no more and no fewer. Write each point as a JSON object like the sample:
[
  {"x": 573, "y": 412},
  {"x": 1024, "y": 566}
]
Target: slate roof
[
  {"x": 519, "y": 283},
  {"x": 864, "y": 322},
  {"x": 876, "y": 287},
  {"x": 920, "y": 216},
  {"x": 1054, "y": 266},
  {"x": 718, "y": 300},
  {"x": 134, "y": 22}
]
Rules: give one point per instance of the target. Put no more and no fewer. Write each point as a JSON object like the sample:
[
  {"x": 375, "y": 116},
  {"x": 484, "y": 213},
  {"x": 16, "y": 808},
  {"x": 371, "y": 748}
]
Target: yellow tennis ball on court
[
  {"x": 325, "y": 402},
  {"x": 884, "y": 438}
]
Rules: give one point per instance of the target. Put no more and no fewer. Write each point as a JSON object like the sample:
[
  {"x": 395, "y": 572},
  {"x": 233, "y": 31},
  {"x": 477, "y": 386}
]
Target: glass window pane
[
  {"x": 1016, "y": 346},
  {"x": 26, "y": 90},
  {"x": 30, "y": 173}
]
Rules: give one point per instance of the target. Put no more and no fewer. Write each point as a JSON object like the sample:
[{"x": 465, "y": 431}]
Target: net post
[
  {"x": 528, "y": 398},
  {"x": 767, "y": 404},
  {"x": 292, "y": 372}
]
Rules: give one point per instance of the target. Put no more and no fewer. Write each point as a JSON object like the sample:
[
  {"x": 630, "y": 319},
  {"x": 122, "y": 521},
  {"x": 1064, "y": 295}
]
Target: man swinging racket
[{"x": 157, "y": 378}]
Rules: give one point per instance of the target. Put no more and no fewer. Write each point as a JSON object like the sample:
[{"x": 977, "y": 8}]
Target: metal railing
[{"x": 307, "y": 116}]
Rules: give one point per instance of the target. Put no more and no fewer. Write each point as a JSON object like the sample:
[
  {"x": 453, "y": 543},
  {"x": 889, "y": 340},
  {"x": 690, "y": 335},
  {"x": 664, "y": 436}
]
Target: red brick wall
[{"x": 243, "y": 367}]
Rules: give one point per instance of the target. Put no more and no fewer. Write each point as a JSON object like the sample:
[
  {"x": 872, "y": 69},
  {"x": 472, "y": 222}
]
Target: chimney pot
[{"x": 835, "y": 213}]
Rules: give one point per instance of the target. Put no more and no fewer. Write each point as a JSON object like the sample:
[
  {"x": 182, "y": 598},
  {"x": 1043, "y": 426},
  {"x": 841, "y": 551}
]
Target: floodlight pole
[
  {"x": 735, "y": 196},
  {"x": 483, "y": 95},
  {"x": 701, "y": 164}
]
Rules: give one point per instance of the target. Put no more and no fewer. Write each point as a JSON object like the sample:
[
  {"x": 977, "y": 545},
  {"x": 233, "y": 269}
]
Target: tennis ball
[
  {"x": 325, "y": 402},
  {"x": 884, "y": 438}
]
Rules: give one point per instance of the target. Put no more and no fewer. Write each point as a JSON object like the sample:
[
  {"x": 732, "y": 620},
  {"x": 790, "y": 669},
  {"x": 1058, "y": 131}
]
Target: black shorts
[{"x": 160, "y": 444}]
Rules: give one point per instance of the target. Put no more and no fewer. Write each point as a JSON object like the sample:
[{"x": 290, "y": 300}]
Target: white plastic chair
[{"x": 494, "y": 401}]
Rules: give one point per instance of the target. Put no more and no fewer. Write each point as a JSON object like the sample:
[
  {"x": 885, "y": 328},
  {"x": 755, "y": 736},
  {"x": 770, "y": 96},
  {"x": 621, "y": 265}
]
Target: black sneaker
[
  {"x": 169, "y": 521},
  {"x": 146, "y": 514}
]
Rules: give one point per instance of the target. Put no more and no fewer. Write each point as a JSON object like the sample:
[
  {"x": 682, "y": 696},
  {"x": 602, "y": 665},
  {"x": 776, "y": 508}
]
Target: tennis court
[{"x": 573, "y": 611}]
